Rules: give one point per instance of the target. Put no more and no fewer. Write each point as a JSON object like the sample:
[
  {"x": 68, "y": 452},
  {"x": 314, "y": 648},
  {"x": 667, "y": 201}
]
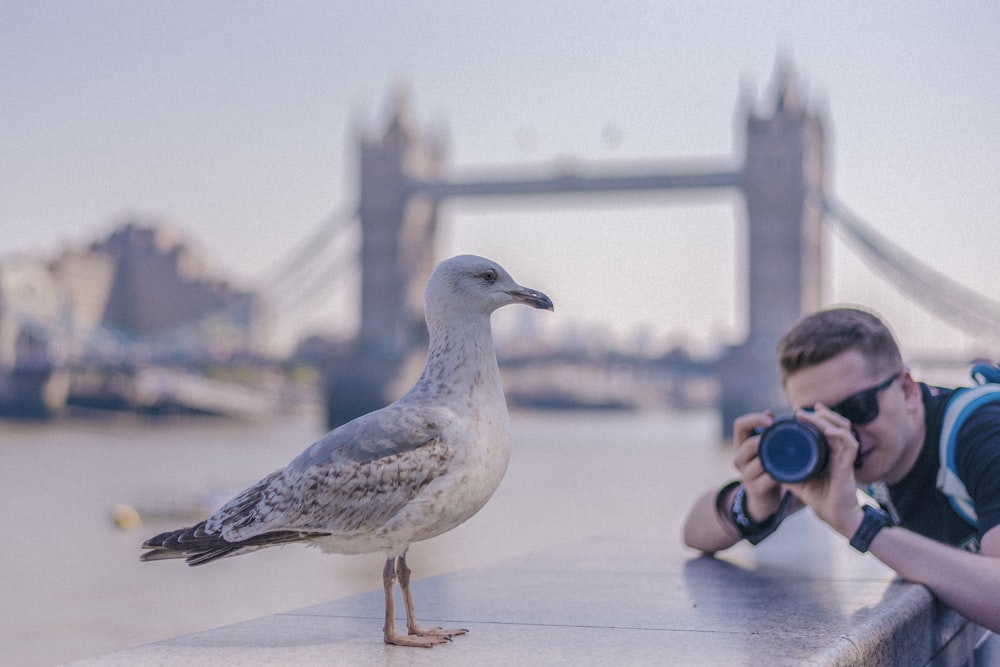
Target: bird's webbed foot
[
  {"x": 444, "y": 633},
  {"x": 426, "y": 639}
]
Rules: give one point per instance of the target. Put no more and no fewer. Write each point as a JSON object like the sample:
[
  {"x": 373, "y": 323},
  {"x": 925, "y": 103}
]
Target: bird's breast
[{"x": 477, "y": 466}]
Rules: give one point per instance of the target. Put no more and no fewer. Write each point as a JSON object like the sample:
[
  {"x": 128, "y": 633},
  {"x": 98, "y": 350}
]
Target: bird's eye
[{"x": 489, "y": 275}]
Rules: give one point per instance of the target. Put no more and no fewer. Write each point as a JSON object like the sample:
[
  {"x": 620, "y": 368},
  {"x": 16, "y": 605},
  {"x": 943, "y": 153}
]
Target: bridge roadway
[
  {"x": 612, "y": 585},
  {"x": 572, "y": 182}
]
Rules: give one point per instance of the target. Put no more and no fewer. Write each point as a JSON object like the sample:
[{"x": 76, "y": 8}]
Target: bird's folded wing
[
  {"x": 394, "y": 429},
  {"x": 352, "y": 480}
]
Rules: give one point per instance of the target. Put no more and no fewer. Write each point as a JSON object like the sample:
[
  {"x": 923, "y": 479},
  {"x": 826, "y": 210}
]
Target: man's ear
[{"x": 911, "y": 390}]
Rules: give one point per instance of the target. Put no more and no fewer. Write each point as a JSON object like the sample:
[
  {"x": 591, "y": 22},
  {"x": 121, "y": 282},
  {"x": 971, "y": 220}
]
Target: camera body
[{"x": 793, "y": 451}]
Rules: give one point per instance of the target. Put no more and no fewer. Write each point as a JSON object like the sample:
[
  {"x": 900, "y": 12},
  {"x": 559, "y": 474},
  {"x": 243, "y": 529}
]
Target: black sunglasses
[{"x": 862, "y": 408}]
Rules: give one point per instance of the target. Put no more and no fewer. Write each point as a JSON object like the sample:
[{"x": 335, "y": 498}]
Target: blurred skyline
[{"x": 237, "y": 124}]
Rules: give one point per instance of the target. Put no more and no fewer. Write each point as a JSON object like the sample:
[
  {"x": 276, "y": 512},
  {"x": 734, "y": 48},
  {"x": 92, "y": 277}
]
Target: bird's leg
[
  {"x": 389, "y": 629},
  {"x": 442, "y": 634},
  {"x": 388, "y": 577}
]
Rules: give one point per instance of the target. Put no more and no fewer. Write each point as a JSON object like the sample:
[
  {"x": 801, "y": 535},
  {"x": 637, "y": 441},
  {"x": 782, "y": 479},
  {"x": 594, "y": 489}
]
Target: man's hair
[{"x": 823, "y": 335}]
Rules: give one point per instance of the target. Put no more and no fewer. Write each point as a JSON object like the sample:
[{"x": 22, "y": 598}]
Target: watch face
[
  {"x": 970, "y": 544},
  {"x": 874, "y": 520}
]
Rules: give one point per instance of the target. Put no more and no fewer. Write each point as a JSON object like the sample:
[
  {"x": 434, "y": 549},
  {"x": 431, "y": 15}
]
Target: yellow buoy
[{"x": 126, "y": 517}]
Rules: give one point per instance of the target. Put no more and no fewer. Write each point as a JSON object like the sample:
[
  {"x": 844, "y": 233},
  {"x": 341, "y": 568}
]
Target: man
[{"x": 842, "y": 371}]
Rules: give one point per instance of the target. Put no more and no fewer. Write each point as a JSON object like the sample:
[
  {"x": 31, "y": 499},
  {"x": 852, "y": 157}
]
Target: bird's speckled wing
[{"x": 352, "y": 480}]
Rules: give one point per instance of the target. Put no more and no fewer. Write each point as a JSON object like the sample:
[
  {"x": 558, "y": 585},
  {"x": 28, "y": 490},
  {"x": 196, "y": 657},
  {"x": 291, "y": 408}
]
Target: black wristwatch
[{"x": 875, "y": 519}]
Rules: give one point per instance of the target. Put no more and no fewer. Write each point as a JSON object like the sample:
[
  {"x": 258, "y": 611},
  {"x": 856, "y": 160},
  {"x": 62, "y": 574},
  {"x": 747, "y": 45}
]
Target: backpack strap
[
  {"x": 961, "y": 405},
  {"x": 985, "y": 373}
]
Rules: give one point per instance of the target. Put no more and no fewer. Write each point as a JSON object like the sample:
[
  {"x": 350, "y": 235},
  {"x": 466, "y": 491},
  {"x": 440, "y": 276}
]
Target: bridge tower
[
  {"x": 783, "y": 173},
  {"x": 398, "y": 224}
]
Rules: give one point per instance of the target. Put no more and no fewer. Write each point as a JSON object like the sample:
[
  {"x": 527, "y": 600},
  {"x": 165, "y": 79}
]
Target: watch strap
[{"x": 874, "y": 520}]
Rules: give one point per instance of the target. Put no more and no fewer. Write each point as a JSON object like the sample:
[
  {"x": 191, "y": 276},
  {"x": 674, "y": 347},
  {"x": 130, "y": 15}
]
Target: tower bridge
[
  {"x": 781, "y": 176},
  {"x": 402, "y": 188}
]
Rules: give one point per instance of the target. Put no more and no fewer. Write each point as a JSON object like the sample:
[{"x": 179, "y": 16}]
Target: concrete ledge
[
  {"x": 896, "y": 634},
  {"x": 801, "y": 598}
]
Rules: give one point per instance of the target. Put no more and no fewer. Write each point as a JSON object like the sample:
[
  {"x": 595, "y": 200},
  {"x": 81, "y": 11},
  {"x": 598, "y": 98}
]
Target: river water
[{"x": 71, "y": 584}]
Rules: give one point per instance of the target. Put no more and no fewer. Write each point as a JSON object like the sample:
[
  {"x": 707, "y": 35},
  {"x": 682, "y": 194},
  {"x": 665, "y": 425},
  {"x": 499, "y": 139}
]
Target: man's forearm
[
  {"x": 705, "y": 529},
  {"x": 968, "y": 583}
]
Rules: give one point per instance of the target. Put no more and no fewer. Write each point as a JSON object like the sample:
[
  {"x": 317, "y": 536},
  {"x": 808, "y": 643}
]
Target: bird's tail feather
[{"x": 197, "y": 546}]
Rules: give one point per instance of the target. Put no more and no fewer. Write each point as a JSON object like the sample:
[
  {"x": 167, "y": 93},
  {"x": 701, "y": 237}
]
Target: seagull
[{"x": 404, "y": 473}]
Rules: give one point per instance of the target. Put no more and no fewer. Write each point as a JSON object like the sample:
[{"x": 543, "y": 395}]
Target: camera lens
[{"x": 792, "y": 451}]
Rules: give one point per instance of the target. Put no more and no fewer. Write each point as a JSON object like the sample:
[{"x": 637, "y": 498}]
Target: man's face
[{"x": 891, "y": 442}]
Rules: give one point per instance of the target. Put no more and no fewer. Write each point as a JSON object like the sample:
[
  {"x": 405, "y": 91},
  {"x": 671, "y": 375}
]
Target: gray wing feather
[
  {"x": 392, "y": 430},
  {"x": 352, "y": 480}
]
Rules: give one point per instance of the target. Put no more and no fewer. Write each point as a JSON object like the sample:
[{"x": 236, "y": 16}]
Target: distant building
[
  {"x": 31, "y": 310},
  {"x": 162, "y": 294},
  {"x": 140, "y": 295}
]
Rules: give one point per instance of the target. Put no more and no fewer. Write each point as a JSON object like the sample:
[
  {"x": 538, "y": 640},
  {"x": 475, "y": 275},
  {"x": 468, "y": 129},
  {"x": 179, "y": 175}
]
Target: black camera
[{"x": 793, "y": 451}]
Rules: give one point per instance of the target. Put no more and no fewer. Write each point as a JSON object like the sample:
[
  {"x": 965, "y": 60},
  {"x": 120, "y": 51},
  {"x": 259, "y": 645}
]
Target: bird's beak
[{"x": 532, "y": 298}]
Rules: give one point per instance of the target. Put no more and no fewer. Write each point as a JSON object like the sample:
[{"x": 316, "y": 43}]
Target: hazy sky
[{"x": 234, "y": 122}]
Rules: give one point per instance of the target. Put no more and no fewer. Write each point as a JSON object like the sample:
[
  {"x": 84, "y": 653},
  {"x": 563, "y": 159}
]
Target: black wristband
[
  {"x": 752, "y": 531},
  {"x": 724, "y": 506},
  {"x": 874, "y": 520}
]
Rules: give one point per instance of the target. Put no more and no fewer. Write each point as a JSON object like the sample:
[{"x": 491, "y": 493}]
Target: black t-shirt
[{"x": 921, "y": 506}]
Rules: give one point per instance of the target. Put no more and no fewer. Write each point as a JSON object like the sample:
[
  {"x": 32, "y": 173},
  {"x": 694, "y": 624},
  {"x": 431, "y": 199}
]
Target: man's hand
[
  {"x": 763, "y": 493},
  {"x": 833, "y": 494}
]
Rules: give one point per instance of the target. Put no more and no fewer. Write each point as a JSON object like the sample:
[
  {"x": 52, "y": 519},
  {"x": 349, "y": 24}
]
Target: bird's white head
[{"x": 468, "y": 285}]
